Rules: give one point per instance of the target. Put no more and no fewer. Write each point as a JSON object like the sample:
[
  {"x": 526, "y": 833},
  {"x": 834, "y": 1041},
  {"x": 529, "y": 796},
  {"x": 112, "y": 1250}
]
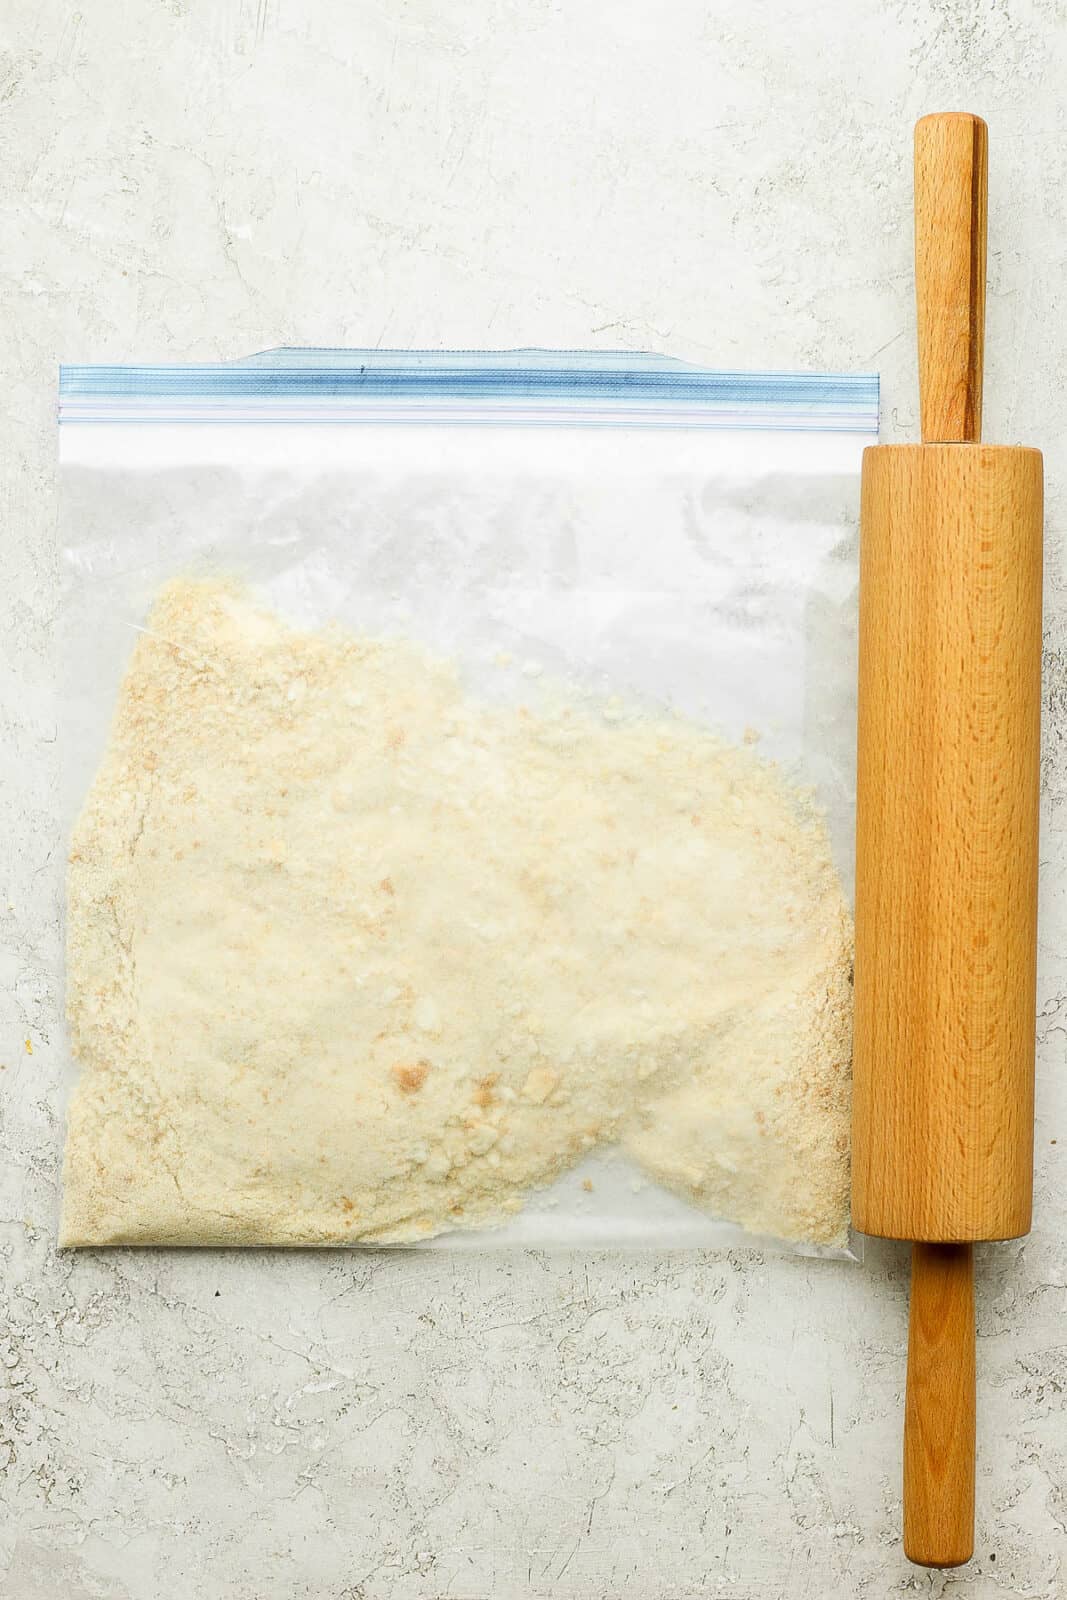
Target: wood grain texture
[
  {"x": 939, "y": 1415},
  {"x": 950, "y": 254},
  {"x": 946, "y": 841}
]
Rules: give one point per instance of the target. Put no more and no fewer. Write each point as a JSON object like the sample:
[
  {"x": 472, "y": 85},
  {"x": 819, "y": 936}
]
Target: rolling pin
[{"x": 946, "y": 840}]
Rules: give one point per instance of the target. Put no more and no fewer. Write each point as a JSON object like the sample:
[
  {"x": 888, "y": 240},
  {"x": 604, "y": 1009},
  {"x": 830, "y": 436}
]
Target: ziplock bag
[{"x": 468, "y": 857}]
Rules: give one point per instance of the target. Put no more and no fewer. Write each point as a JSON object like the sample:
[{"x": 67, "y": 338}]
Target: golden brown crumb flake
[
  {"x": 410, "y": 1076},
  {"x": 483, "y": 1095}
]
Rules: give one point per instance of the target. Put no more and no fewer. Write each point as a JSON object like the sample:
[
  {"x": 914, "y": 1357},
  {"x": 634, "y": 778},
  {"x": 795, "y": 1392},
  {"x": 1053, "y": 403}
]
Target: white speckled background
[{"x": 729, "y": 182}]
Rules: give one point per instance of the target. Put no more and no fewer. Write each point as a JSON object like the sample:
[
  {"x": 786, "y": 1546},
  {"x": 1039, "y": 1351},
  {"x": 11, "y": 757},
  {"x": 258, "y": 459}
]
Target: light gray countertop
[{"x": 725, "y": 182}]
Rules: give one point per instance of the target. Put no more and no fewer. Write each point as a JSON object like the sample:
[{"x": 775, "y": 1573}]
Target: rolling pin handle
[
  {"x": 939, "y": 1412},
  {"x": 951, "y": 164}
]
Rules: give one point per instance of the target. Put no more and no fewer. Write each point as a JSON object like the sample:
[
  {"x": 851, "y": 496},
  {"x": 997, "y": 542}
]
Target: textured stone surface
[{"x": 725, "y": 181}]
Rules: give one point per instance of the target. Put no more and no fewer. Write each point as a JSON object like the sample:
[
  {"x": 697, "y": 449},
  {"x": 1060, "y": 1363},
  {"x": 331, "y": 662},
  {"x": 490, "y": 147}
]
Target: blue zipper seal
[{"x": 604, "y": 388}]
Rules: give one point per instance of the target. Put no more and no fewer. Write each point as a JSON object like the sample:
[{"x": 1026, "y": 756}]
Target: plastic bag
[{"x": 643, "y": 539}]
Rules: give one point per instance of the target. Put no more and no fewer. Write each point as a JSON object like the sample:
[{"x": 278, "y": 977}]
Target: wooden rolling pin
[{"x": 946, "y": 840}]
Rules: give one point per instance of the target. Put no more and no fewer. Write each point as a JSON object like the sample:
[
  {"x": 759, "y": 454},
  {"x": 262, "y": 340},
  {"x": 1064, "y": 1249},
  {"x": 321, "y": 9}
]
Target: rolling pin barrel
[{"x": 946, "y": 846}]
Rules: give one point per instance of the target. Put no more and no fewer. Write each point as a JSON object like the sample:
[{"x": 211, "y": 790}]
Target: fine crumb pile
[{"x": 356, "y": 956}]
